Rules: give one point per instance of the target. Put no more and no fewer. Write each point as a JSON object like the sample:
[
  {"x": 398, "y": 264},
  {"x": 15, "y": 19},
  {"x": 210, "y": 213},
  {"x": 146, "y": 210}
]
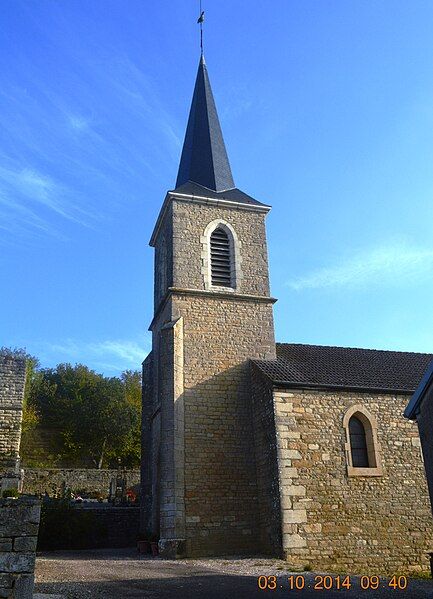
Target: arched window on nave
[{"x": 358, "y": 443}]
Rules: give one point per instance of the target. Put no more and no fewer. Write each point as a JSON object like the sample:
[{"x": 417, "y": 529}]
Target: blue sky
[{"x": 327, "y": 112}]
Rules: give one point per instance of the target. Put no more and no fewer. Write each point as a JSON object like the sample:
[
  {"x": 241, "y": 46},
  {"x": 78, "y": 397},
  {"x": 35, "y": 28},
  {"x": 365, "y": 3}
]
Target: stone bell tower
[{"x": 212, "y": 314}]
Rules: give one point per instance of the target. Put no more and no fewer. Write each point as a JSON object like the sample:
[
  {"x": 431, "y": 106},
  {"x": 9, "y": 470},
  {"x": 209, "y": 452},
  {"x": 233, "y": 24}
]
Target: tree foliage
[{"x": 98, "y": 417}]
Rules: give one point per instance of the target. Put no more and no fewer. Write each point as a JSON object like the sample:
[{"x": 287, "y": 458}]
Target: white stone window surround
[
  {"x": 373, "y": 447},
  {"x": 235, "y": 257}
]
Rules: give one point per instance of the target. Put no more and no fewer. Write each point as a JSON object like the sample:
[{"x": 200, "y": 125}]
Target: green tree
[
  {"x": 99, "y": 416},
  {"x": 131, "y": 448}
]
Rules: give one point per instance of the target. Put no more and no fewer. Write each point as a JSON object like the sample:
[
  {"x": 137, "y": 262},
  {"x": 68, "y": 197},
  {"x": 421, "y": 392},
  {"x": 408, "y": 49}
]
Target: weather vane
[{"x": 200, "y": 20}]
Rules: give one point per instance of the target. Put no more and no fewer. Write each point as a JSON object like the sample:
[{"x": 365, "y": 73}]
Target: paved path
[{"x": 123, "y": 574}]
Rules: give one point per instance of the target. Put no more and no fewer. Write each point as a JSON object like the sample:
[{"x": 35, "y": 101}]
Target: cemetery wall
[
  {"x": 37, "y": 481},
  {"x": 19, "y": 522},
  {"x": 66, "y": 526}
]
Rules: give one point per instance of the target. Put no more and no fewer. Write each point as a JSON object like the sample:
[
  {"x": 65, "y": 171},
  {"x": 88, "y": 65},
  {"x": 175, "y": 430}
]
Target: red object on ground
[{"x": 143, "y": 546}]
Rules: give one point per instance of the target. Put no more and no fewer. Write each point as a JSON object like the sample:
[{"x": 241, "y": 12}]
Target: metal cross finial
[{"x": 200, "y": 20}]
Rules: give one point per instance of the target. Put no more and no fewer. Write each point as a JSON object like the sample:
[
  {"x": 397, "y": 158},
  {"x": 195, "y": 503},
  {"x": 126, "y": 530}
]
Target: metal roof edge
[
  {"x": 412, "y": 408},
  {"x": 184, "y": 197}
]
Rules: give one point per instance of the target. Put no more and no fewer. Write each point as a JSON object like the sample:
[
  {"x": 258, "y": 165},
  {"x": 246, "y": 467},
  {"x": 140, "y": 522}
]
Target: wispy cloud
[
  {"x": 144, "y": 100},
  {"x": 127, "y": 351},
  {"x": 383, "y": 265},
  {"x": 107, "y": 355},
  {"x": 98, "y": 137},
  {"x": 29, "y": 199},
  {"x": 77, "y": 122},
  {"x": 32, "y": 186}
]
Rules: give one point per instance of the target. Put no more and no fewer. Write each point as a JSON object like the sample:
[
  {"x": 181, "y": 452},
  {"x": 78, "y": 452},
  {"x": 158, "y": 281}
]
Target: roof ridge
[{"x": 395, "y": 351}]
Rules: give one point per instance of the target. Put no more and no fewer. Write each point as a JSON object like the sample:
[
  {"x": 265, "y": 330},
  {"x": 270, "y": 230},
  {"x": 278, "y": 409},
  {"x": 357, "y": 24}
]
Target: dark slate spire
[{"x": 204, "y": 158}]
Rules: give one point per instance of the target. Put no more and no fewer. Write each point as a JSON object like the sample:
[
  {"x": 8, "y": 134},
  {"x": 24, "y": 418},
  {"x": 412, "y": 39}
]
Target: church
[{"x": 255, "y": 447}]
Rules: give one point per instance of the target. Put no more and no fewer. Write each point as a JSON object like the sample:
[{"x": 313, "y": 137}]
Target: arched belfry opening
[{"x": 221, "y": 258}]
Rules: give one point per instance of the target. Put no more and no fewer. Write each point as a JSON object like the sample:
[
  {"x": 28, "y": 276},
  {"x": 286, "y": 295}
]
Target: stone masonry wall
[
  {"x": 171, "y": 464},
  {"x": 221, "y": 502},
  {"x": 163, "y": 260},
  {"x": 356, "y": 524},
  {"x": 189, "y": 223},
  {"x": 12, "y": 382},
  {"x": 265, "y": 442},
  {"x": 153, "y": 428},
  {"x": 146, "y": 465},
  {"x": 19, "y": 523},
  {"x": 37, "y": 481},
  {"x": 90, "y": 527},
  {"x": 201, "y": 383}
]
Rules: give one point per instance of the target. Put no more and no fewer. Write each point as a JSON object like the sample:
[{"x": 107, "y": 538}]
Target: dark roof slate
[
  {"x": 232, "y": 195},
  {"x": 204, "y": 157},
  {"x": 323, "y": 366}
]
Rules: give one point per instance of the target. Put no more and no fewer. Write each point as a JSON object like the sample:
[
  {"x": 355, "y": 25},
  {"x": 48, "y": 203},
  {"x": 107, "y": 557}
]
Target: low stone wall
[
  {"x": 119, "y": 527},
  {"x": 19, "y": 522},
  {"x": 64, "y": 526},
  {"x": 38, "y": 481}
]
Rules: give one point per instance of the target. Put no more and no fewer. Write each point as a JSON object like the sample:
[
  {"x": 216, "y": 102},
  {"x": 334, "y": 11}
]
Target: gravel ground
[{"x": 123, "y": 574}]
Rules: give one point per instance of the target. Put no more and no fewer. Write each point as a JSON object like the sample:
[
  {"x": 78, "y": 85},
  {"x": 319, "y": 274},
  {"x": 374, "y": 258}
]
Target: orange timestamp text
[{"x": 327, "y": 582}]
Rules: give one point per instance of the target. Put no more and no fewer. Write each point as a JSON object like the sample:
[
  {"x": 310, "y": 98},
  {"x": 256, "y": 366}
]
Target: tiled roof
[{"x": 323, "y": 366}]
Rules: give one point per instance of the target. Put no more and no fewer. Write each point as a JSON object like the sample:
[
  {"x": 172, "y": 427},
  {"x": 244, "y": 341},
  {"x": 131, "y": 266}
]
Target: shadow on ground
[
  {"x": 208, "y": 587},
  {"x": 122, "y": 574}
]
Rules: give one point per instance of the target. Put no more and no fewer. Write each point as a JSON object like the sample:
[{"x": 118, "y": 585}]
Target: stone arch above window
[
  {"x": 221, "y": 257},
  {"x": 362, "y": 446}
]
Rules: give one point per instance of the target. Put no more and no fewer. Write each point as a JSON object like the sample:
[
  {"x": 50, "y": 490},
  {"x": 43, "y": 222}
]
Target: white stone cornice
[{"x": 240, "y": 297}]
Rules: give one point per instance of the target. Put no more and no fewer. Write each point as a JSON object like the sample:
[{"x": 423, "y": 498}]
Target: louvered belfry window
[
  {"x": 358, "y": 443},
  {"x": 220, "y": 258}
]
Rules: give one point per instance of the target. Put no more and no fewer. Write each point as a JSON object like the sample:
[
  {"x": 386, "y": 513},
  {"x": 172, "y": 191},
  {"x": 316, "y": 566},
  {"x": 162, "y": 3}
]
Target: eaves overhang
[
  {"x": 336, "y": 387},
  {"x": 312, "y": 386}
]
